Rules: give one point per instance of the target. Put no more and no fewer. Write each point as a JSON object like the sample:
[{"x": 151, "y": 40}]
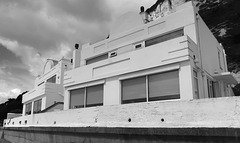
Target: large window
[
  {"x": 86, "y": 97},
  {"x": 134, "y": 90},
  {"x": 28, "y": 109},
  {"x": 37, "y": 106},
  {"x": 164, "y": 86},
  {"x": 163, "y": 38},
  {"x": 161, "y": 86},
  {"x": 77, "y": 98},
  {"x": 52, "y": 79},
  {"x": 97, "y": 59}
]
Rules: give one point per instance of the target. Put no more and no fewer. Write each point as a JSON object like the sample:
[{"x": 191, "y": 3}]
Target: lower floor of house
[{"x": 180, "y": 81}]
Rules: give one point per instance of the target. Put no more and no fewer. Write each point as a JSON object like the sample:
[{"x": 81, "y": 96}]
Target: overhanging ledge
[{"x": 226, "y": 77}]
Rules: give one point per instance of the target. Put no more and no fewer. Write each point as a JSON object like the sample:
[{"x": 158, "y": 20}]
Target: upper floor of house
[
  {"x": 133, "y": 44},
  {"x": 50, "y": 81}
]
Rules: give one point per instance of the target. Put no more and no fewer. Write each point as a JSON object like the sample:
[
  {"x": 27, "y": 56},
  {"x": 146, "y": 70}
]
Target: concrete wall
[
  {"x": 204, "y": 120},
  {"x": 216, "y": 112},
  {"x": 118, "y": 135}
]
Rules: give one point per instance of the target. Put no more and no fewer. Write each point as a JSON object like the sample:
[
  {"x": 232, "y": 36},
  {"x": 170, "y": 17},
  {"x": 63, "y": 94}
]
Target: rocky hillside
[{"x": 11, "y": 106}]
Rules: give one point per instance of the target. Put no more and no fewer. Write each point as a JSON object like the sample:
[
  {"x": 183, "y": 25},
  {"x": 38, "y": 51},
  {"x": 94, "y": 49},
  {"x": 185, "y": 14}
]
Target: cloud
[
  {"x": 14, "y": 74},
  {"x": 87, "y": 10},
  {"x": 5, "y": 93},
  {"x": 32, "y": 31}
]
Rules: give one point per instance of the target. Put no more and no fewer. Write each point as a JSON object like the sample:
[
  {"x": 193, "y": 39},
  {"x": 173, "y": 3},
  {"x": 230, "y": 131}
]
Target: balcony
[
  {"x": 168, "y": 52},
  {"x": 44, "y": 89}
]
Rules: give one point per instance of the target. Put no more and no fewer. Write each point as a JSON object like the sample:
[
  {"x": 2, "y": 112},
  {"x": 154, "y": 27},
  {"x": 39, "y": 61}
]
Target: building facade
[
  {"x": 175, "y": 57},
  {"x": 48, "y": 88}
]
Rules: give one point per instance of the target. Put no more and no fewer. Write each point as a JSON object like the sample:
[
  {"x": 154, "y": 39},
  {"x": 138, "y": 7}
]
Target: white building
[
  {"x": 48, "y": 88},
  {"x": 172, "y": 58},
  {"x": 175, "y": 57}
]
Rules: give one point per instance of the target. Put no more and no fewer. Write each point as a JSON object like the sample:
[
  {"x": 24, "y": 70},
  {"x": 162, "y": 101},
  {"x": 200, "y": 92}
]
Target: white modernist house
[
  {"x": 175, "y": 57},
  {"x": 48, "y": 88},
  {"x": 128, "y": 79}
]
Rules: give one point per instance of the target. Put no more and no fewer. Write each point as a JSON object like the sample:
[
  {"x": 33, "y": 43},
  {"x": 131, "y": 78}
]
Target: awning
[{"x": 226, "y": 77}]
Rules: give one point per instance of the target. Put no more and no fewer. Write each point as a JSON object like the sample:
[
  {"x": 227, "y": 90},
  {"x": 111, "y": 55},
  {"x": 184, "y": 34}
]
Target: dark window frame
[
  {"x": 52, "y": 79},
  {"x": 37, "y": 106},
  {"x": 85, "y": 104},
  {"x": 97, "y": 59},
  {"x": 149, "y": 99},
  {"x": 28, "y": 108},
  {"x": 164, "y": 37}
]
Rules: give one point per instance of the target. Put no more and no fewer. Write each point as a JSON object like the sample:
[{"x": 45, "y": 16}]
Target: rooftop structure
[
  {"x": 48, "y": 88},
  {"x": 173, "y": 57}
]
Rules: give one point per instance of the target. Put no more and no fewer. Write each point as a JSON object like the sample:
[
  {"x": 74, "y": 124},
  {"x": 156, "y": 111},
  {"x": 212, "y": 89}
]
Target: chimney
[{"x": 76, "y": 56}]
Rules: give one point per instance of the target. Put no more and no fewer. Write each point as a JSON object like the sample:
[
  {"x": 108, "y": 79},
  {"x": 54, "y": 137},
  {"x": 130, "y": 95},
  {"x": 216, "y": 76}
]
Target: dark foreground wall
[{"x": 118, "y": 135}]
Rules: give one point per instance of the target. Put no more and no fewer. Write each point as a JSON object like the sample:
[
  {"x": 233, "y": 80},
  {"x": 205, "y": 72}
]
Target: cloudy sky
[{"x": 33, "y": 30}]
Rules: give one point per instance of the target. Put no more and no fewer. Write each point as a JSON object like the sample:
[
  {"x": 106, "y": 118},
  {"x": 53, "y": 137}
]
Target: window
[
  {"x": 134, "y": 90},
  {"x": 196, "y": 89},
  {"x": 113, "y": 54},
  {"x": 77, "y": 98},
  {"x": 161, "y": 86},
  {"x": 219, "y": 60},
  {"x": 37, "y": 106},
  {"x": 28, "y": 109},
  {"x": 52, "y": 79},
  {"x": 163, "y": 38},
  {"x": 97, "y": 59},
  {"x": 94, "y": 96},
  {"x": 210, "y": 88},
  {"x": 164, "y": 86},
  {"x": 86, "y": 97},
  {"x": 139, "y": 45}
]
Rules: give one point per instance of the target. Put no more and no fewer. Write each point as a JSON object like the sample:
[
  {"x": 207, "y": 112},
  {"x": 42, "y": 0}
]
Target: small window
[
  {"x": 28, "y": 108},
  {"x": 37, "y": 106},
  {"x": 219, "y": 60},
  {"x": 211, "y": 93},
  {"x": 196, "y": 89},
  {"x": 139, "y": 45},
  {"x": 97, "y": 59},
  {"x": 112, "y": 54},
  {"x": 52, "y": 79},
  {"x": 164, "y": 38}
]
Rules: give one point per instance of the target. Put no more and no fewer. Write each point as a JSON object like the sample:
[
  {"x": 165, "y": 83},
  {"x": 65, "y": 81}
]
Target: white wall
[
  {"x": 209, "y": 48},
  {"x": 130, "y": 62},
  {"x": 216, "y": 112},
  {"x": 48, "y": 92}
]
